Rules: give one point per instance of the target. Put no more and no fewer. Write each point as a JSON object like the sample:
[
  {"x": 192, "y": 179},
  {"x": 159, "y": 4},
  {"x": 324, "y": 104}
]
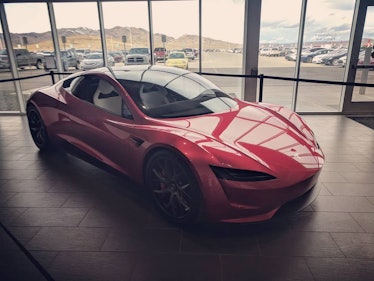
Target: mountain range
[{"x": 86, "y": 38}]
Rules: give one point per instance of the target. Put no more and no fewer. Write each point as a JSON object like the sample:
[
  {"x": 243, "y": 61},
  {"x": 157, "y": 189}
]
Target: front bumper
[{"x": 261, "y": 203}]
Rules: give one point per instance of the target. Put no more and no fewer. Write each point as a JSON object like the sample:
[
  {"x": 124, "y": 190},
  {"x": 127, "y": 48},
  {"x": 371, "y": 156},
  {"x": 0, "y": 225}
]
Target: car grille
[{"x": 135, "y": 60}]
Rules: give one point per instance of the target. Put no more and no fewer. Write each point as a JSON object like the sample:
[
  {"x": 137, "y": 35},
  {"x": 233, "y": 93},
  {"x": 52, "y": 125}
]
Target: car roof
[{"x": 136, "y": 72}]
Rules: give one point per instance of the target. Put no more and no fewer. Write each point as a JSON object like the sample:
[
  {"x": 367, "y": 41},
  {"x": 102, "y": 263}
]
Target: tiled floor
[{"x": 80, "y": 222}]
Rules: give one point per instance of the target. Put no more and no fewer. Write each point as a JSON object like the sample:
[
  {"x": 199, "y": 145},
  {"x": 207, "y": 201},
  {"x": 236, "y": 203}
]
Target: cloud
[
  {"x": 342, "y": 5},
  {"x": 343, "y": 27},
  {"x": 278, "y": 24}
]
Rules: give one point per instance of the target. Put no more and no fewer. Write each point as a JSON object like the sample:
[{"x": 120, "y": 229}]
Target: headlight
[{"x": 240, "y": 175}]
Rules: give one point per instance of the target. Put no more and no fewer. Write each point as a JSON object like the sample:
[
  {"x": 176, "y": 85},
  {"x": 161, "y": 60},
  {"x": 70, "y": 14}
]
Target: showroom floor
[{"x": 74, "y": 221}]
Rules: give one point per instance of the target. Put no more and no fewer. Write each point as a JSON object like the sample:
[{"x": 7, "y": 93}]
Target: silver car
[
  {"x": 95, "y": 60},
  {"x": 138, "y": 56}
]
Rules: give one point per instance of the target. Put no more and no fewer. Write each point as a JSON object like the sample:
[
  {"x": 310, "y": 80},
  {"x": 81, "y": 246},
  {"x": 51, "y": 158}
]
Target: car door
[{"x": 99, "y": 121}]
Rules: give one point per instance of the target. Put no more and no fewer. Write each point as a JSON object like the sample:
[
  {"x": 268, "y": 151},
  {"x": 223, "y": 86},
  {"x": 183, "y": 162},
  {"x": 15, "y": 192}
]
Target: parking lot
[{"x": 314, "y": 97}]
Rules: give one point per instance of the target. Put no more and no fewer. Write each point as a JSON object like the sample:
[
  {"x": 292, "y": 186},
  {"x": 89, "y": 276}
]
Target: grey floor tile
[
  {"x": 9, "y": 174},
  {"x": 5, "y": 195},
  {"x": 181, "y": 267},
  {"x": 244, "y": 268},
  {"x": 342, "y": 204},
  {"x": 356, "y": 245},
  {"x": 327, "y": 176},
  {"x": 23, "y": 234},
  {"x": 143, "y": 240},
  {"x": 366, "y": 221},
  {"x": 298, "y": 244},
  {"x": 332, "y": 269},
  {"x": 350, "y": 189},
  {"x": 80, "y": 200},
  {"x": 27, "y": 185},
  {"x": 92, "y": 266},
  {"x": 68, "y": 239},
  {"x": 51, "y": 217},
  {"x": 220, "y": 243},
  {"x": 9, "y": 214},
  {"x": 360, "y": 177},
  {"x": 27, "y": 199},
  {"x": 327, "y": 222},
  {"x": 15, "y": 266},
  {"x": 340, "y": 167}
]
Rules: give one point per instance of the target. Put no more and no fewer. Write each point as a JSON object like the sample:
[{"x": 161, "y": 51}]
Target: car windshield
[
  {"x": 176, "y": 56},
  {"x": 94, "y": 56},
  {"x": 138, "y": 51},
  {"x": 181, "y": 96}
]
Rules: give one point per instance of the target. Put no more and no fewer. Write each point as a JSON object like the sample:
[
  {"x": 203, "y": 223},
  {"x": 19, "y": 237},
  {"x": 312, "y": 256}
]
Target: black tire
[
  {"x": 37, "y": 129},
  {"x": 335, "y": 62},
  {"x": 173, "y": 187},
  {"x": 65, "y": 66},
  {"x": 39, "y": 64}
]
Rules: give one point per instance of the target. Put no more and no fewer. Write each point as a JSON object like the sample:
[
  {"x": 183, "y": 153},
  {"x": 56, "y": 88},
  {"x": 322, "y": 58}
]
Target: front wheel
[
  {"x": 39, "y": 64},
  {"x": 174, "y": 188},
  {"x": 37, "y": 128}
]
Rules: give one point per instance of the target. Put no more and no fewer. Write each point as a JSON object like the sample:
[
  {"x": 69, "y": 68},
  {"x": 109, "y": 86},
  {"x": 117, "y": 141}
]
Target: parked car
[
  {"x": 95, "y": 60},
  {"x": 81, "y": 53},
  {"x": 342, "y": 61},
  {"x": 319, "y": 58},
  {"x": 177, "y": 59},
  {"x": 274, "y": 52},
  {"x": 201, "y": 154},
  {"x": 291, "y": 56},
  {"x": 308, "y": 57},
  {"x": 190, "y": 53},
  {"x": 69, "y": 59},
  {"x": 117, "y": 56},
  {"x": 160, "y": 54},
  {"x": 23, "y": 58},
  {"x": 138, "y": 56},
  {"x": 333, "y": 58},
  {"x": 264, "y": 51}
]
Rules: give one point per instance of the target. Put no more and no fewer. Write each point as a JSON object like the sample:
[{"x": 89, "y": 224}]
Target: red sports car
[{"x": 203, "y": 155}]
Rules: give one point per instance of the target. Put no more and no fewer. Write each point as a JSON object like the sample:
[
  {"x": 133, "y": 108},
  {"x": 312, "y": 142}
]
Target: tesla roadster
[{"x": 201, "y": 154}]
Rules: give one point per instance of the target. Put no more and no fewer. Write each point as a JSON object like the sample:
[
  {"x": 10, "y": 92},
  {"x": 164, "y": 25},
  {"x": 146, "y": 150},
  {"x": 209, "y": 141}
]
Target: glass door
[{"x": 360, "y": 99}]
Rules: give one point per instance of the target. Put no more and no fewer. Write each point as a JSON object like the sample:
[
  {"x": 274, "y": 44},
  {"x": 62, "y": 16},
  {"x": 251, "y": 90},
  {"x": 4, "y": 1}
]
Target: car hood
[
  {"x": 136, "y": 55},
  {"x": 177, "y": 60},
  {"x": 92, "y": 60},
  {"x": 261, "y": 132}
]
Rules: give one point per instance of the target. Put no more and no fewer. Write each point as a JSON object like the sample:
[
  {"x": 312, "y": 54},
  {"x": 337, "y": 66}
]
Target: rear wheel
[
  {"x": 39, "y": 64},
  {"x": 174, "y": 187},
  {"x": 37, "y": 128}
]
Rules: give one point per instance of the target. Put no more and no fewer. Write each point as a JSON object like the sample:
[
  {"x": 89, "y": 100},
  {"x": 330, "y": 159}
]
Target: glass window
[
  {"x": 222, "y": 43},
  {"x": 176, "y": 28},
  {"x": 78, "y": 32},
  {"x": 278, "y": 44},
  {"x": 365, "y": 62},
  {"x": 31, "y": 40},
  {"x": 8, "y": 100},
  {"x": 127, "y": 27},
  {"x": 326, "y": 39}
]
